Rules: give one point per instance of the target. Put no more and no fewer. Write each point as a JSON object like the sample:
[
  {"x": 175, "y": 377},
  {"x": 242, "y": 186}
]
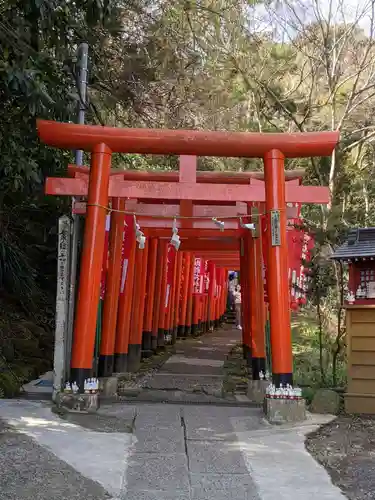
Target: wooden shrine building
[{"x": 358, "y": 252}]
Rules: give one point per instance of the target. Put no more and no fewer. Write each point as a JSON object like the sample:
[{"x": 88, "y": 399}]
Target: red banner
[{"x": 198, "y": 275}]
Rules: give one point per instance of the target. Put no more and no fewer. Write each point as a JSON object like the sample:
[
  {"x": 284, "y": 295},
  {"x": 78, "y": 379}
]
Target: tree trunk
[
  {"x": 367, "y": 202},
  {"x": 320, "y": 326},
  {"x": 340, "y": 329},
  {"x": 331, "y": 181}
]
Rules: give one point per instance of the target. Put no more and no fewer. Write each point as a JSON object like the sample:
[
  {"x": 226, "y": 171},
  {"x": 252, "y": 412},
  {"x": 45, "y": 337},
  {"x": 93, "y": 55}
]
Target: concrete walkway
[{"x": 175, "y": 452}]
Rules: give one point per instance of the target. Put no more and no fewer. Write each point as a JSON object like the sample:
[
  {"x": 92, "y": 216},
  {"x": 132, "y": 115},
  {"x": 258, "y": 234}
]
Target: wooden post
[
  {"x": 278, "y": 291},
  {"x": 181, "y": 332},
  {"x": 147, "y": 345},
  {"x": 111, "y": 300},
  {"x": 176, "y": 295},
  {"x": 172, "y": 325},
  {"x": 221, "y": 293},
  {"x": 205, "y": 312},
  {"x": 189, "y": 308},
  {"x": 201, "y": 313},
  {"x": 245, "y": 296},
  {"x": 142, "y": 302},
  {"x": 163, "y": 291},
  {"x": 195, "y": 317},
  {"x": 202, "y": 309},
  {"x": 136, "y": 323},
  {"x": 258, "y": 353},
  {"x": 91, "y": 263},
  {"x": 218, "y": 297},
  {"x": 171, "y": 266},
  {"x": 251, "y": 286},
  {"x": 157, "y": 295},
  {"x": 126, "y": 298},
  {"x": 211, "y": 291},
  {"x": 224, "y": 295},
  {"x": 197, "y": 290}
]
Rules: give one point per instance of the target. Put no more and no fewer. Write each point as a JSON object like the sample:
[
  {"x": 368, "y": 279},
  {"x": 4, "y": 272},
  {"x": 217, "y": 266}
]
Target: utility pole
[{"x": 82, "y": 92}]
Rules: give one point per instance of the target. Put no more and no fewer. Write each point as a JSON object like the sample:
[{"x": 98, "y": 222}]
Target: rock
[
  {"x": 108, "y": 386},
  {"x": 256, "y": 390},
  {"x": 80, "y": 403},
  {"x": 325, "y": 401},
  {"x": 284, "y": 411}
]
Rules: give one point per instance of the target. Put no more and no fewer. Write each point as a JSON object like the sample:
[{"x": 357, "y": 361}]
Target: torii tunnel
[{"x": 158, "y": 294}]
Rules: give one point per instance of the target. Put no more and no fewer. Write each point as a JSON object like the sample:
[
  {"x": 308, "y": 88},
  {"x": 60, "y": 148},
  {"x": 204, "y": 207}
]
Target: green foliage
[
  {"x": 16, "y": 272},
  {"x": 25, "y": 345},
  {"x": 38, "y": 41},
  {"x": 306, "y": 349}
]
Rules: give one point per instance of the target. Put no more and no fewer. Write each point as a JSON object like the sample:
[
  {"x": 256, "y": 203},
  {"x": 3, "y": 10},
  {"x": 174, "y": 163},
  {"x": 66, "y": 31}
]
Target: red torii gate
[
  {"x": 253, "y": 331},
  {"x": 103, "y": 141}
]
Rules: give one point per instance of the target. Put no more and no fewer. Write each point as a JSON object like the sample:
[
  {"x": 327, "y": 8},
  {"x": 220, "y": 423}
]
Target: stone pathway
[
  {"x": 194, "y": 373},
  {"x": 142, "y": 451}
]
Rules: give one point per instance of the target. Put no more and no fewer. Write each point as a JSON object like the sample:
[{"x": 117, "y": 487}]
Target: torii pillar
[
  {"x": 257, "y": 317},
  {"x": 92, "y": 257},
  {"x": 278, "y": 289}
]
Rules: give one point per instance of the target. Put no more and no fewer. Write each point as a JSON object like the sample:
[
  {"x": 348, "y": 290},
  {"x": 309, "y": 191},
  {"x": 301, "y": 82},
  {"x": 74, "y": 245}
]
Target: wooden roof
[{"x": 359, "y": 244}]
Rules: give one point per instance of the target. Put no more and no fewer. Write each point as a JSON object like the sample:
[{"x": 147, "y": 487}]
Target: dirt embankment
[{"x": 346, "y": 448}]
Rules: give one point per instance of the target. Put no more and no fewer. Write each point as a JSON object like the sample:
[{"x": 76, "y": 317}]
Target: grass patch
[
  {"x": 307, "y": 372},
  {"x": 25, "y": 351},
  {"x": 235, "y": 372},
  {"x": 147, "y": 365},
  {"x": 307, "y": 369}
]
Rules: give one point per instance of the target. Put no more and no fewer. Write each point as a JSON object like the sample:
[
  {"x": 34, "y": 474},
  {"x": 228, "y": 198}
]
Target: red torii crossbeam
[
  {"x": 187, "y": 191},
  {"x": 203, "y": 176},
  {"x": 103, "y": 141},
  {"x": 185, "y": 142}
]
